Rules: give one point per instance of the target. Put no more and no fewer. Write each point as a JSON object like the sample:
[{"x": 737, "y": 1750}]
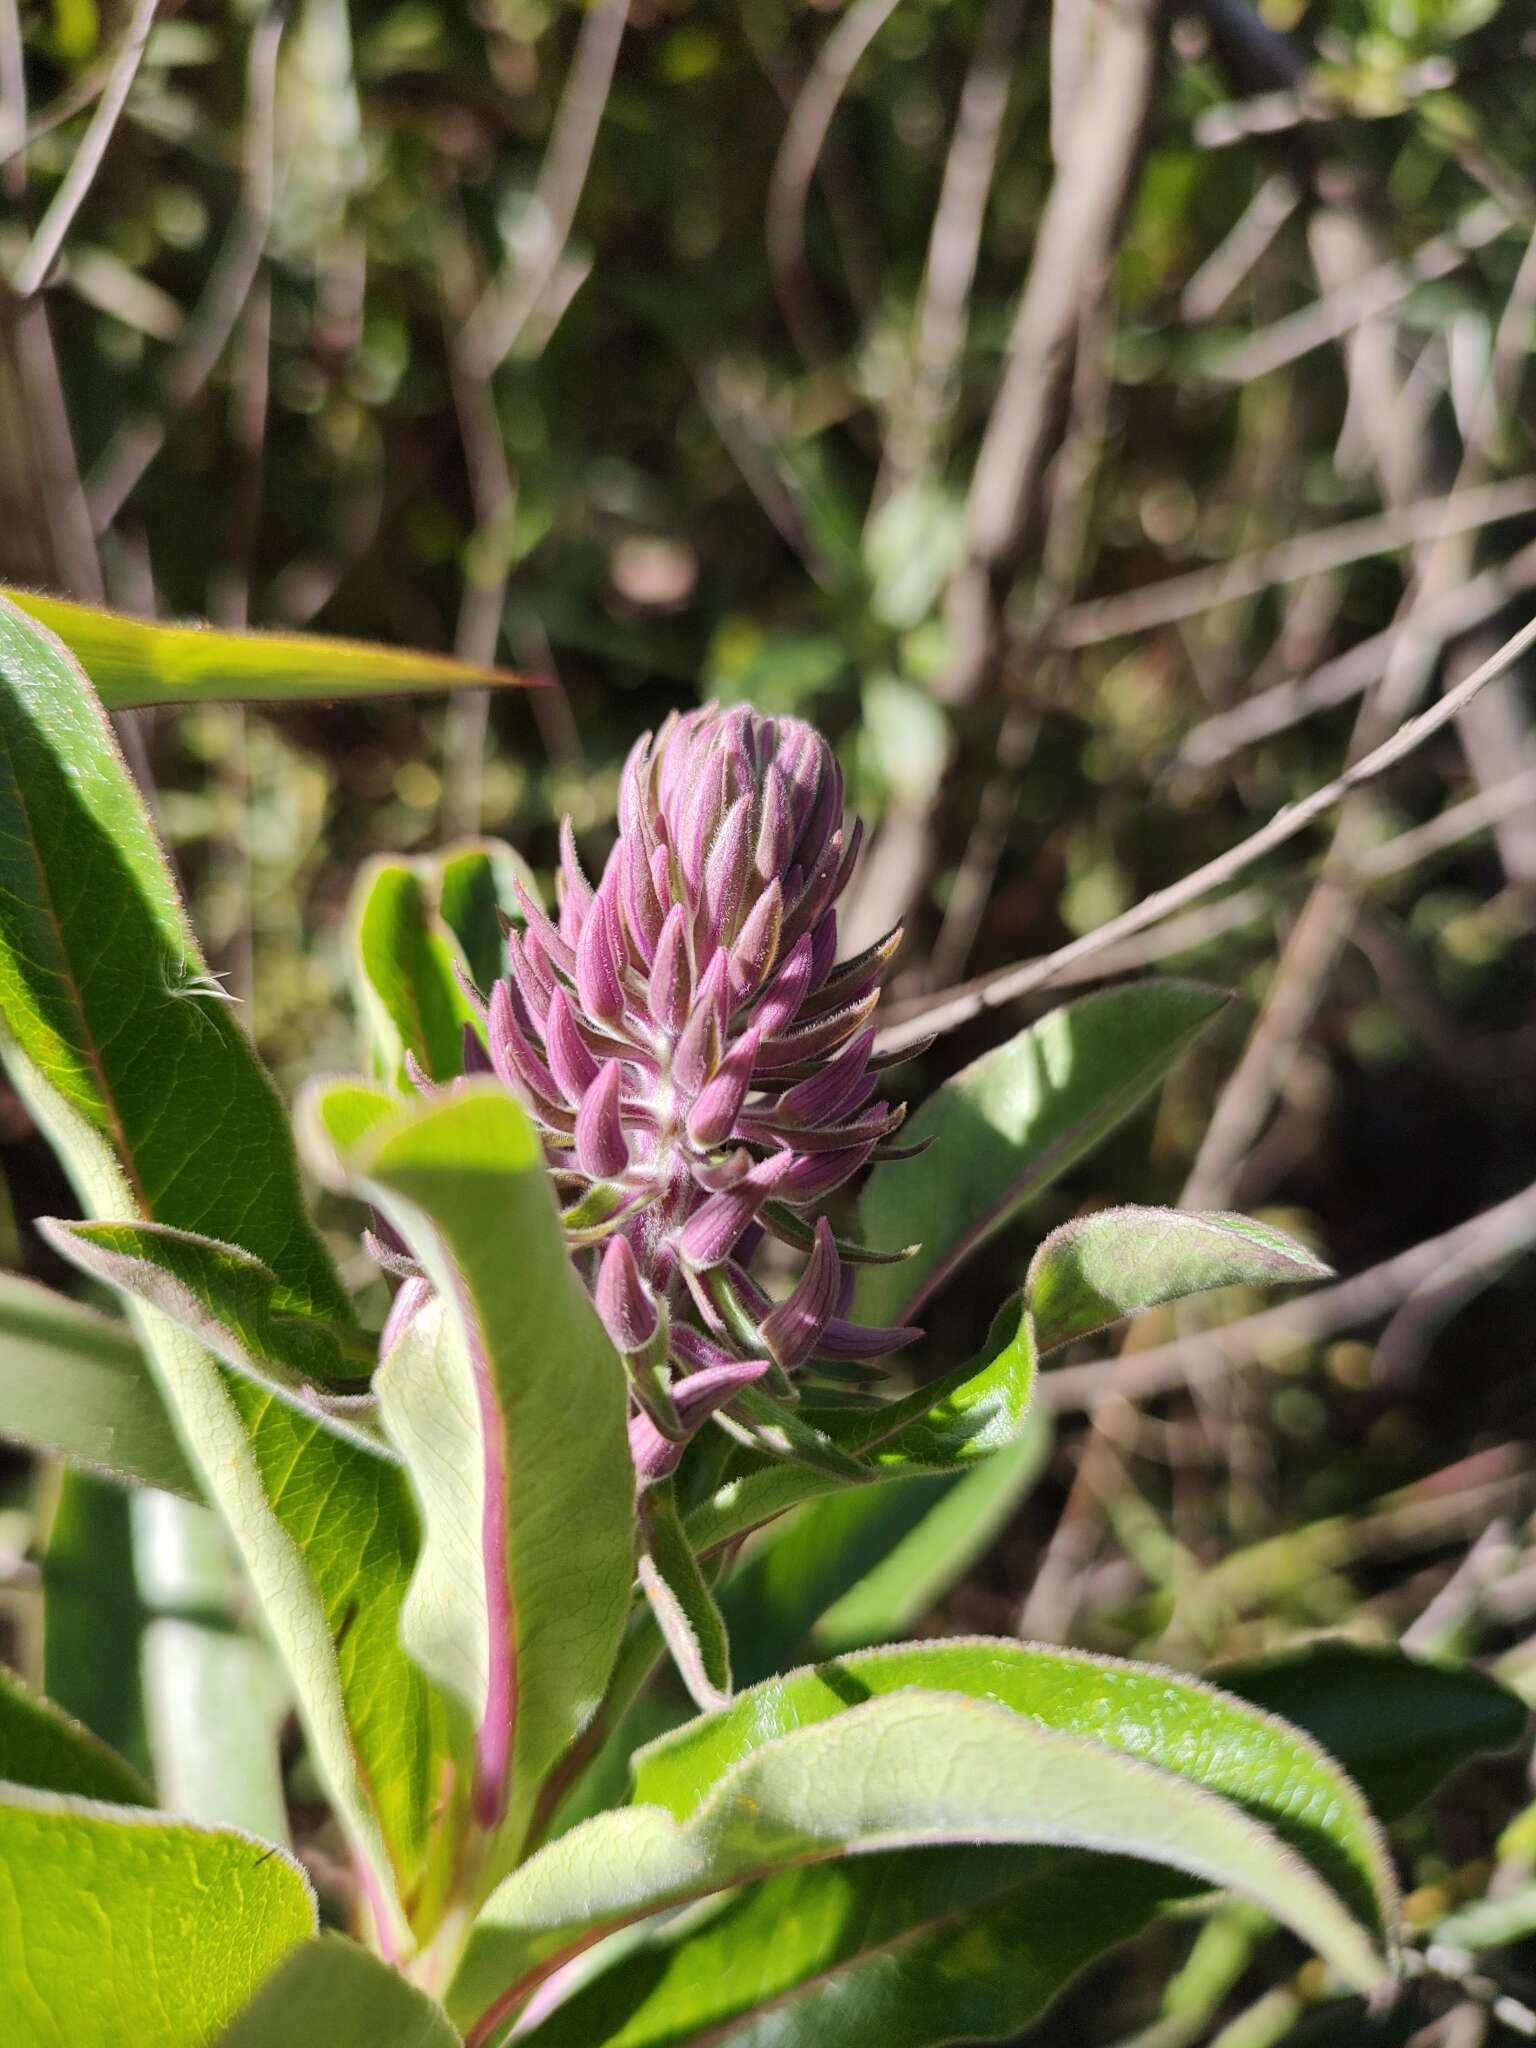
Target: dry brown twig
[
  {"x": 206, "y": 335},
  {"x": 794, "y": 169},
  {"x": 1007, "y": 504},
  {"x": 949, "y": 1012},
  {"x": 1310, "y": 554},
  {"x": 487, "y": 333},
  {"x": 42, "y": 252}
]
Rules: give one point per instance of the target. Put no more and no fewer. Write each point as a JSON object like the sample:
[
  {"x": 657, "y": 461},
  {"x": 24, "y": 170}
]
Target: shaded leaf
[
  {"x": 1012, "y": 1122},
  {"x": 41, "y": 1746},
  {"x": 1277, "y": 1772},
  {"x": 1098, "y": 1268},
  {"x": 1399, "y": 1726},
  {"x": 118, "y": 1924},
  {"x": 77, "y": 1384},
  {"x": 333, "y": 1991},
  {"x": 911, "y": 1949},
  {"x": 93, "y": 1618},
  {"x": 979, "y": 1408},
  {"x": 140, "y": 661}
]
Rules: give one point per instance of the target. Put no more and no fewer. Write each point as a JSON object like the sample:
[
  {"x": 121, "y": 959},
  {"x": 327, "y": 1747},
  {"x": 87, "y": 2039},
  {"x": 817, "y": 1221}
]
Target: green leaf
[
  {"x": 230, "y": 1302},
  {"x": 150, "y": 1093},
  {"x": 333, "y": 1991},
  {"x": 1278, "y": 1773},
  {"x": 923, "y": 1769},
  {"x": 119, "y": 1925},
  {"x": 475, "y": 882},
  {"x": 404, "y": 959},
  {"x": 911, "y": 1949},
  {"x": 41, "y": 1746},
  {"x": 682, "y": 1601},
  {"x": 939, "y": 1549},
  {"x": 1398, "y": 1725},
  {"x": 1098, "y": 1268},
  {"x": 93, "y": 1618},
  {"x": 979, "y": 1408},
  {"x": 136, "y": 661},
  {"x": 867, "y": 1563},
  {"x": 74, "y": 1383},
  {"x": 509, "y": 1406},
  {"x": 1012, "y": 1122}
]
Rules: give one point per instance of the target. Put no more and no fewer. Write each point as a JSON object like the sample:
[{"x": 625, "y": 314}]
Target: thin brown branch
[
  {"x": 954, "y": 245},
  {"x": 494, "y": 328},
  {"x": 1287, "y": 704},
  {"x": 949, "y": 1013},
  {"x": 1007, "y": 504},
  {"x": 795, "y": 167},
  {"x": 1310, "y": 554},
  {"x": 42, "y": 252},
  {"x": 121, "y": 465}
]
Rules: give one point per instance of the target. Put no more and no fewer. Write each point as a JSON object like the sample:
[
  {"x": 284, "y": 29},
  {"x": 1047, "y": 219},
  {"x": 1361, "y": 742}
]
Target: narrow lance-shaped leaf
[
  {"x": 1179, "y": 1724},
  {"x": 508, "y": 1404},
  {"x": 916, "y": 1769},
  {"x": 133, "y": 662},
  {"x": 1012, "y": 1122},
  {"x": 931, "y": 1946},
  {"x": 152, "y": 1096},
  {"x": 117, "y": 1924},
  {"x": 682, "y": 1601},
  {"x": 1098, "y": 1268},
  {"x": 77, "y": 1384}
]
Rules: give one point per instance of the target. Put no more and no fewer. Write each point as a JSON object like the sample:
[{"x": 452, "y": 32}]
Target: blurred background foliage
[{"x": 1054, "y": 403}]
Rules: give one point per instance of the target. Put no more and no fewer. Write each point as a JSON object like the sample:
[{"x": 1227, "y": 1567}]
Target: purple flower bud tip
[
  {"x": 602, "y": 1150},
  {"x": 623, "y": 1300}
]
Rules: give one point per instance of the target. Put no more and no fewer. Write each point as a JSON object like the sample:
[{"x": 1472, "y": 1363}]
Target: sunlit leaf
[{"x": 133, "y": 662}]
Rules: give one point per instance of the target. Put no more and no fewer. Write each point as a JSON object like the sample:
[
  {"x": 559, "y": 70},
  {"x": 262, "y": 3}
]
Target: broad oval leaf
[
  {"x": 1012, "y": 1122},
  {"x": 914, "y": 1769},
  {"x": 1098, "y": 1268},
  {"x": 118, "y": 1924},
  {"x": 133, "y": 662},
  {"x": 333, "y": 1991},
  {"x": 509, "y": 1406},
  {"x": 153, "y": 1098},
  {"x": 1179, "y": 1724},
  {"x": 41, "y": 1746},
  {"x": 77, "y": 1384}
]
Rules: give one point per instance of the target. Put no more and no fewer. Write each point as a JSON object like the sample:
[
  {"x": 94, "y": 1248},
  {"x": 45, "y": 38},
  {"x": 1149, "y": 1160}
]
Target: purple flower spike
[{"x": 683, "y": 1029}]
